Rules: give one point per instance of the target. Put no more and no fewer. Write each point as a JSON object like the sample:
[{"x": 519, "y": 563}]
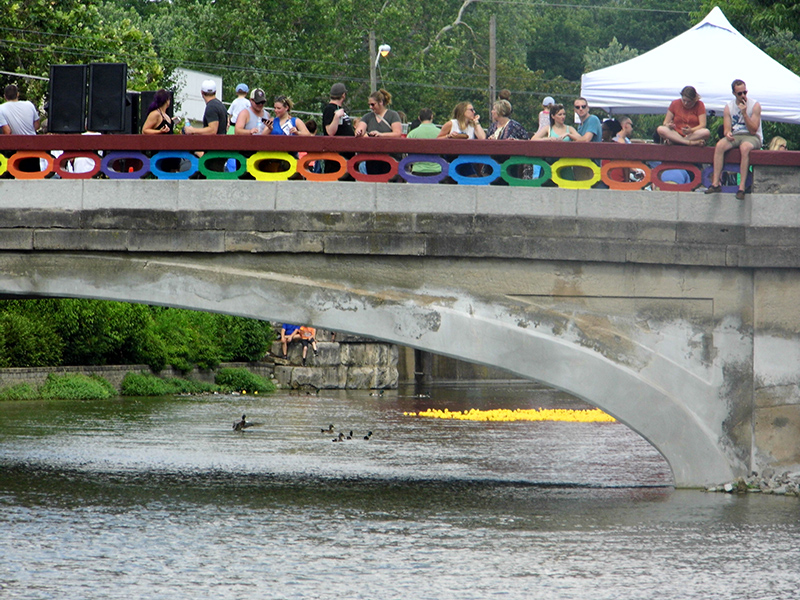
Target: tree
[
  {"x": 40, "y": 33},
  {"x": 614, "y": 54}
]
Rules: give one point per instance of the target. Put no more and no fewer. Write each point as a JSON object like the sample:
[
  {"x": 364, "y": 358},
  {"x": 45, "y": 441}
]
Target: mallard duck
[
  {"x": 239, "y": 425},
  {"x": 328, "y": 430},
  {"x": 338, "y": 439},
  {"x": 369, "y": 435}
]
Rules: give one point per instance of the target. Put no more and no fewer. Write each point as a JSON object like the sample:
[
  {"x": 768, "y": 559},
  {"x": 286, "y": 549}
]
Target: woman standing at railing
[
  {"x": 158, "y": 121},
  {"x": 558, "y": 130},
  {"x": 382, "y": 121},
  {"x": 465, "y": 124},
  {"x": 284, "y": 123},
  {"x": 503, "y": 126}
]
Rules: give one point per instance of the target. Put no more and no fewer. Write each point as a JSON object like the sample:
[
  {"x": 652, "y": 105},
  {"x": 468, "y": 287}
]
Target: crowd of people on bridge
[{"x": 685, "y": 122}]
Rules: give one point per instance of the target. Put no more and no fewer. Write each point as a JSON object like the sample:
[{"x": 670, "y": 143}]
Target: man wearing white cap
[
  {"x": 215, "y": 118},
  {"x": 544, "y": 115}
]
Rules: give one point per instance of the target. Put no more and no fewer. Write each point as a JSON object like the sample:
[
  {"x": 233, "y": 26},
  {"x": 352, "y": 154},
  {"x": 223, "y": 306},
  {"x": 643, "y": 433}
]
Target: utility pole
[
  {"x": 373, "y": 63},
  {"x": 492, "y": 61}
]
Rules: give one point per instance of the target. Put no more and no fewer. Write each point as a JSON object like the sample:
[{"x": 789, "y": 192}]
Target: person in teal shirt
[
  {"x": 425, "y": 130},
  {"x": 590, "y": 128}
]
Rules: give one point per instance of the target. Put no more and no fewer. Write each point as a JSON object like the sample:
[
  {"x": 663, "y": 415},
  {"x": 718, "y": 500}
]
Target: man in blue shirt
[{"x": 590, "y": 128}]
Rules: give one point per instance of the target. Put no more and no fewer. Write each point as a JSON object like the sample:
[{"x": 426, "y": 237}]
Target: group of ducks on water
[
  {"x": 243, "y": 423},
  {"x": 342, "y": 437}
]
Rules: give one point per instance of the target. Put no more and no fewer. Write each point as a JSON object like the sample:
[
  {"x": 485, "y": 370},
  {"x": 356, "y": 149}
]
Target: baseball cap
[
  {"x": 258, "y": 95},
  {"x": 338, "y": 89},
  {"x": 548, "y": 101},
  {"x": 242, "y": 87},
  {"x": 209, "y": 86}
]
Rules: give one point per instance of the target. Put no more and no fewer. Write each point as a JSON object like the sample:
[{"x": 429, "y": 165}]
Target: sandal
[
  {"x": 740, "y": 194},
  {"x": 714, "y": 189}
]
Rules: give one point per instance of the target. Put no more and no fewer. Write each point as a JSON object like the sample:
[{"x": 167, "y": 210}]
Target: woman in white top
[{"x": 465, "y": 124}]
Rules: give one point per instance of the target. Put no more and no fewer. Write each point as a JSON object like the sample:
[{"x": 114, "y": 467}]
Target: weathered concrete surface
[{"x": 670, "y": 311}]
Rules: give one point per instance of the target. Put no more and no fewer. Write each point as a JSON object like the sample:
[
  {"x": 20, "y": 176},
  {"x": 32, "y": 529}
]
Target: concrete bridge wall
[{"x": 674, "y": 312}]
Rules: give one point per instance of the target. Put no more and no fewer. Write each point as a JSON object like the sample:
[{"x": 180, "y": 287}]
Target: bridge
[{"x": 674, "y": 311}]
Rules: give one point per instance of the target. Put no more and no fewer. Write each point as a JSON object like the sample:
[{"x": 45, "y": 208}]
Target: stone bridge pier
[{"x": 674, "y": 312}]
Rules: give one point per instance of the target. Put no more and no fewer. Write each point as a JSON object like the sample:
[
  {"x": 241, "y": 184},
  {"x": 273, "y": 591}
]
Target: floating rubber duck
[
  {"x": 369, "y": 435},
  {"x": 338, "y": 439},
  {"x": 328, "y": 430},
  {"x": 242, "y": 424}
]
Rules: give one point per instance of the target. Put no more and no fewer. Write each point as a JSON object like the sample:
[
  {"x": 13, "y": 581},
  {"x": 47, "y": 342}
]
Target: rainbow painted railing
[{"x": 268, "y": 158}]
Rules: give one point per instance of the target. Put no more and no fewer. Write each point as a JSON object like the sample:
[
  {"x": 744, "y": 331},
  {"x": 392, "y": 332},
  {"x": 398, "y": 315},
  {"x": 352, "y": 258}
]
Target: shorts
[{"x": 738, "y": 139}]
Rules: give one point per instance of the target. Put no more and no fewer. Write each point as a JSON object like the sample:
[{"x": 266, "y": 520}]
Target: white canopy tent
[{"x": 709, "y": 56}]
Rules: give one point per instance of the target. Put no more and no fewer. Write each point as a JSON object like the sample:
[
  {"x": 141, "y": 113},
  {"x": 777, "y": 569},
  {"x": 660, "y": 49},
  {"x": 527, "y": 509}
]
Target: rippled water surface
[{"x": 159, "y": 498}]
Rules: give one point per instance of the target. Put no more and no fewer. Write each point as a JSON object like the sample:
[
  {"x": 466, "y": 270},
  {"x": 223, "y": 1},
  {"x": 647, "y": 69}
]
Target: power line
[{"x": 584, "y": 6}]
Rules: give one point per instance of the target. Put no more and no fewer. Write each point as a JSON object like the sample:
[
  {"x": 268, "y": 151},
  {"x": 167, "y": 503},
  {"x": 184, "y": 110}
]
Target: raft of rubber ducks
[{"x": 594, "y": 415}]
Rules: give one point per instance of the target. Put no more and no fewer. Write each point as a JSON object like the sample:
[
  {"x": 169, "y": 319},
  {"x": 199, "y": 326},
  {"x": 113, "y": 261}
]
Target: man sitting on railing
[{"x": 742, "y": 123}]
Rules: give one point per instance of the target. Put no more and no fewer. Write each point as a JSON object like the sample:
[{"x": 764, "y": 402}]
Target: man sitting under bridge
[{"x": 289, "y": 333}]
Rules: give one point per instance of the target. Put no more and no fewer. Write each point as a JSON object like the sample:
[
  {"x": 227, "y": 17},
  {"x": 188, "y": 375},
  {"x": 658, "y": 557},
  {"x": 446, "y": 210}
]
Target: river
[{"x": 160, "y": 498}]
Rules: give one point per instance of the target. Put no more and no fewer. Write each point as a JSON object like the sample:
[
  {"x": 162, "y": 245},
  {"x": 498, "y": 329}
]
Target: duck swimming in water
[
  {"x": 328, "y": 430},
  {"x": 243, "y": 424},
  {"x": 369, "y": 435},
  {"x": 338, "y": 439}
]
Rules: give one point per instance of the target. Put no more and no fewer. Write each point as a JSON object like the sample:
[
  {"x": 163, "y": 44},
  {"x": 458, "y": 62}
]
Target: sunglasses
[
  {"x": 371, "y": 104},
  {"x": 742, "y": 93},
  {"x": 580, "y": 106},
  {"x": 260, "y": 103}
]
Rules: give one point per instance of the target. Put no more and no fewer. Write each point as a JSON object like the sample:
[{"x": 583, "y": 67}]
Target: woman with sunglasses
[
  {"x": 382, "y": 121},
  {"x": 253, "y": 120},
  {"x": 465, "y": 124}
]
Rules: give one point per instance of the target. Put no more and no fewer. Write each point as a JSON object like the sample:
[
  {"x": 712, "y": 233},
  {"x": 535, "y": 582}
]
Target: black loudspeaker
[
  {"x": 108, "y": 83},
  {"x": 67, "y": 104},
  {"x": 132, "y": 123},
  {"x": 145, "y": 98}
]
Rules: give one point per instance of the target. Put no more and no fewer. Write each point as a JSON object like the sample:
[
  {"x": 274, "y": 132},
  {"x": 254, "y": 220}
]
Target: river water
[{"x": 159, "y": 498}]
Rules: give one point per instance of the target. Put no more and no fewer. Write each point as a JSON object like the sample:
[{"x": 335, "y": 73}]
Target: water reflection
[{"x": 107, "y": 500}]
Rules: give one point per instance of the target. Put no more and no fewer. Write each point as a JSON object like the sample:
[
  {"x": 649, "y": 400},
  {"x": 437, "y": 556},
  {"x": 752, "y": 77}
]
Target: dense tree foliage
[
  {"x": 37, "y": 33},
  {"x": 440, "y": 51},
  {"x": 55, "y": 332}
]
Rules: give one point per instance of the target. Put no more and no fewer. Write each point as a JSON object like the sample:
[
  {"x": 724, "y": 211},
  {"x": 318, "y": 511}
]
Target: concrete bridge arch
[{"x": 662, "y": 376}]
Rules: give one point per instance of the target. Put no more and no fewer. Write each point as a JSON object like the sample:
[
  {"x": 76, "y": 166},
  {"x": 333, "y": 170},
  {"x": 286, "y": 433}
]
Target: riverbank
[{"x": 349, "y": 362}]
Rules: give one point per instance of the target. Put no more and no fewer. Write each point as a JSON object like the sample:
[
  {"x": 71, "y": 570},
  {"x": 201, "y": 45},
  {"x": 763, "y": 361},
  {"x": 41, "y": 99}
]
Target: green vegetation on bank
[
  {"x": 56, "y": 332},
  {"x": 86, "y": 387}
]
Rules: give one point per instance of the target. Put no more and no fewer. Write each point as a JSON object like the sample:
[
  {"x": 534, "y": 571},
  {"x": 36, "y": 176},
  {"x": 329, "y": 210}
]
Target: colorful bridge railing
[{"x": 267, "y": 158}]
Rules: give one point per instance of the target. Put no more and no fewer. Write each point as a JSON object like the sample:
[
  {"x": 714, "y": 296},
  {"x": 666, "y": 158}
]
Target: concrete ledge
[
  {"x": 144, "y": 194},
  {"x": 103, "y": 240},
  {"x": 613, "y": 204},
  {"x": 16, "y": 239},
  {"x": 61, "y": 194},
  {"x": 340, "y": 196},
  {"x": 232, "y": 196},
  {"x": 449, "y": 199},
  {"x": 240, "y": 241},
  {"x": 527, "y": 201},
  {"x": 176, "y": 241}
]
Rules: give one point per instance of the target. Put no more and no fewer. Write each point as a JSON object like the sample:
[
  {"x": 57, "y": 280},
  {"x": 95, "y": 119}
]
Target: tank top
[{"x": 456, "y": 128}]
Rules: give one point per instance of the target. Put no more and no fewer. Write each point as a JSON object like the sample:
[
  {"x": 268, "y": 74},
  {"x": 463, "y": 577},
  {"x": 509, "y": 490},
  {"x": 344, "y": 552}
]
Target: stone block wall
[{"x": 349, "y": 362}]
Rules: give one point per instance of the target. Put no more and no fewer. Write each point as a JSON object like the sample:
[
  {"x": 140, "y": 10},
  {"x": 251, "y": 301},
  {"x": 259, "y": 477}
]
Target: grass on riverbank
[{"x": 85, "y": 387}]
